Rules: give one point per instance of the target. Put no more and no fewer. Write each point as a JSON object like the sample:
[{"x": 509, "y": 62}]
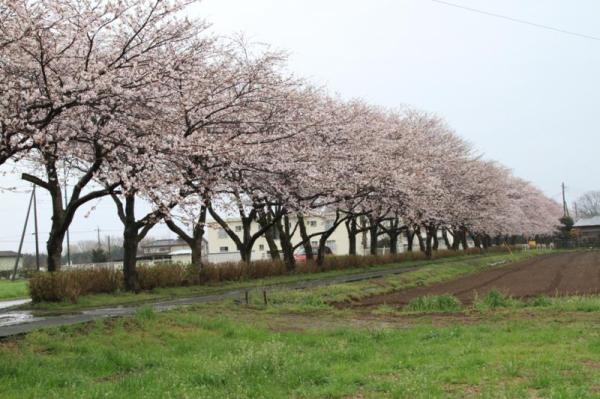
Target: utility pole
[
  {"x": 14, "y": 275},
  {"x": 68, "y": 238},
  {"x": 35, "y": 222},
  {"x": 109, "y": 254},
  {"x": 565, "y": 207},
  {"x": 99, "y": 243}
]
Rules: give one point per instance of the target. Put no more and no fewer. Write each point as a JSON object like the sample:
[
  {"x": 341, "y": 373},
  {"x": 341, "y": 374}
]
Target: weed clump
[
  {"x": 492, "y": 300},
  {"x": 434, "y": 303},
  {"x": 541, "y": 301}
]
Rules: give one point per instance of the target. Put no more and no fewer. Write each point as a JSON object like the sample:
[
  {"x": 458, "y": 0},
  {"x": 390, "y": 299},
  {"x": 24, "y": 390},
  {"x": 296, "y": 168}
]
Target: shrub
[
  {"x": 434, "y": 303},
  {"x": 70, "y": 284},
  {"x": 165, "y": 275}
]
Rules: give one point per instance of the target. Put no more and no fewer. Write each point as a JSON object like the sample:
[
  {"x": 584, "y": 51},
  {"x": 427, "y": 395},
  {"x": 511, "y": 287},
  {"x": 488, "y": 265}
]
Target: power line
[{"x": 517, "y": 20}]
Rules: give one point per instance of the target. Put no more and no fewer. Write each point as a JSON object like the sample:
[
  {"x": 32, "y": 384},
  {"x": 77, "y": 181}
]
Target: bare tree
[{"x": 588, "y": 205}]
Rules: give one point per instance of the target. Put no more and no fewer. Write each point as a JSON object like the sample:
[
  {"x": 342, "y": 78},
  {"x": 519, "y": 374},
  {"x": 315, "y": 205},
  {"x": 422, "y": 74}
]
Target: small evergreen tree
[{"x": 99, "y": 255}]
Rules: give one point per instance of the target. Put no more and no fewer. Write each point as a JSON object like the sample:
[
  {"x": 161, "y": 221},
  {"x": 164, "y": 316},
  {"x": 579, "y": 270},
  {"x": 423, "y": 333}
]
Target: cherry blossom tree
[{"x": 69, "y": 71}]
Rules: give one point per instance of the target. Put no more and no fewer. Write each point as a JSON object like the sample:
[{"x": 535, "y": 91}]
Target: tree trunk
[
  {"x": 273, "y": 249},
  {"x": 456, "y": 240},
  {"x": 486, "y": 241},
  {"x": 351, "y": 229},
  {"x": 197, "y": 239},
  {"x": 263, "y": 221},
  {"x": 57, "y": 231},
  {"x": 373, "y": 236},
  {"x": 476, "y": 240},
  {"x": 321, "y": 251},
  {"x": 420, "y": 239},
  {"x": 463, "y": 238},
  {"x": 196, "y": 246},
  {"x": 305, "y": 239},
  {"x": 410, "y": 237},
  {"x": 393, "y": 241},
  {"x": 286, "y": 244},
  {"x": 247, "y": 242},
  {"x": 130, "y": 245},
  {"x": 428, "y": 242},
  {"x": 324, "y": 237},
  {"x": 245, "y": 253},
  {"x": 436, "y": 242},
  {"x": 54, "y": 248},
  {"x": 323, "y": 244},
  {"x": 498, "y": 240},
  {"x": 446, "y": 238}
]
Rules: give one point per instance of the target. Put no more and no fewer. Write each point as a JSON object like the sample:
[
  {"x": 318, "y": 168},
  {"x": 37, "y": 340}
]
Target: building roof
[
  {"x": 236, "y": 219},
  {"x": 181, "y": 252},
  {"x": 163, "y": 243},
  {"x": 8, "y": 254},
  {"x": 167, "y": 243},
  {"x": 594, "y": 221}
]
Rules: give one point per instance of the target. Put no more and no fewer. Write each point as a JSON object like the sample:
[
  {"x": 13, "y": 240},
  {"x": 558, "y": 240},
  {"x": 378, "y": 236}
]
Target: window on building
[
  {"x": 331, "y": 244},
  {"x": 312, "y": 223},
  {"x": 222, "y": 233},
  {"x": 261, "y": 247},
  {"x": 224, "y": 249},
  {"x": 238, "y": 228},
  {"x": 328, "y": 224},
  {"x": 314, "y": 244}
]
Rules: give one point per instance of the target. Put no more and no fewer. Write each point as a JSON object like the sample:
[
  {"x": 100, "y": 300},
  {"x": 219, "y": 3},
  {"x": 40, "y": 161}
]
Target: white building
[
  {"x": 171, "y": 250},
  {"x": 7, "y": 261},
  {"x": 223, "y": 249}
]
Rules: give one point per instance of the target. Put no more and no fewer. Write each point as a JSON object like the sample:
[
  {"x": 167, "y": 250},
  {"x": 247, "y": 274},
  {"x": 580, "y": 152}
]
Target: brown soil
[{"x": 560, "y": 274}]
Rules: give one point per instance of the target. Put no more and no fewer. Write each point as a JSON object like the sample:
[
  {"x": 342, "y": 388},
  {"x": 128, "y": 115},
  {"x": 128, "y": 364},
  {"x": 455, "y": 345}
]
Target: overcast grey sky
[{"x": 525, "y": 96}]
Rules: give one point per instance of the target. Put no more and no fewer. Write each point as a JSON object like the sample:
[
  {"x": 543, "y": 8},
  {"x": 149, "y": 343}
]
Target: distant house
[
  {"x": 7, "y": 260},
  {"x": 175, "y": 250},
  {"x": 588, "y": 229}
]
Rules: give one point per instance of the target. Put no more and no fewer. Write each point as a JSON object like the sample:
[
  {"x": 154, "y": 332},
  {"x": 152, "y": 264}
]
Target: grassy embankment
[
  {"x": 301, "y": 346},
  {"x": 13, "y": 289}
]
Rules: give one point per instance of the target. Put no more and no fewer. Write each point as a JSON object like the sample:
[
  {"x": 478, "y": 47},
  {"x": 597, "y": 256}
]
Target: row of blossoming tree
[{"x": 136, "y": 101}]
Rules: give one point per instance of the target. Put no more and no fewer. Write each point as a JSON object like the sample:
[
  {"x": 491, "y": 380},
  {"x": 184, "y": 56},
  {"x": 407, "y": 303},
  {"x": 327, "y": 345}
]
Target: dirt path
[
  {"x": 14, "y": 322},
  {"x": 560, "y": 274}
]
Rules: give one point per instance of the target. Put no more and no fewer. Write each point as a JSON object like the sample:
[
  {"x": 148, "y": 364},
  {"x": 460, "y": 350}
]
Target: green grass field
[
  {"x": 300, "y": 346},
  {"x": 13, "y": 289}
]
